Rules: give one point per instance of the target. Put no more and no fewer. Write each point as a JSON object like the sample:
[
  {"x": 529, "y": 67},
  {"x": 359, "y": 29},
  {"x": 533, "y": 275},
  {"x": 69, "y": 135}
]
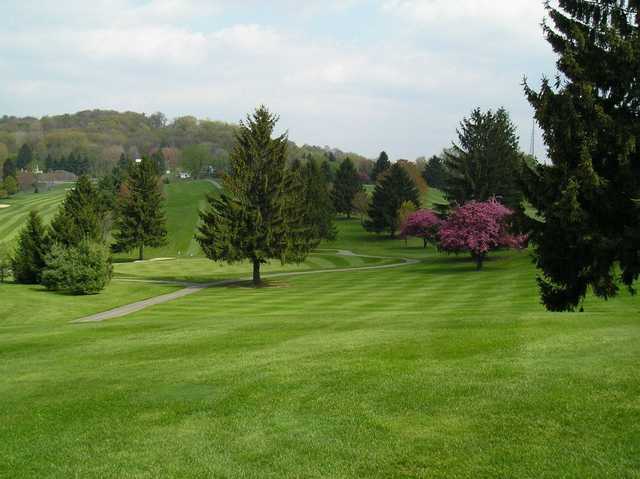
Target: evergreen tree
[
  {"x": 486, "y": 163},
  {"x": 159, "y": 162},
  {"x": 9, "y": 168},
  {"x": 5, "y": 261},
  {"x": 319, "y": 206},
  {"x": 258, "y": 216},
  {"x": 29, "y": 259},
  {"x": 25, "y": 156},
  {"x": 588, "y": 194},
  {"x": 141, "y": 220},
  {"x": 434, "y": 172},
  {"x": 395, "y": 188},
  {"x": 345, "y": 187},
  {"x": 80, "y": 217},
  {"x": 382, "y": 165},
  {"x": 325, "y": 167}
]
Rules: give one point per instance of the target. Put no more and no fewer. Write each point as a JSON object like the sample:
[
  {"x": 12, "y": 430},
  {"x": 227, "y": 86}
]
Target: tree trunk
[
  {"x": 256, "y": 273},
  {"x": 424, "y": 241},
  {"x": 141, "y": 252}
]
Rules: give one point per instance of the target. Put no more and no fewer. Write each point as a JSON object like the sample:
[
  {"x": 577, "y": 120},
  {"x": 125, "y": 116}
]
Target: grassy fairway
[
  {"x": 429, "y": 370},
  {"x": 13, "y": 217}
]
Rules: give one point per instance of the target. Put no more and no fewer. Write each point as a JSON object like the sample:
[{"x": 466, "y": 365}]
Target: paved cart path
[{"x": 191, "y": 288}]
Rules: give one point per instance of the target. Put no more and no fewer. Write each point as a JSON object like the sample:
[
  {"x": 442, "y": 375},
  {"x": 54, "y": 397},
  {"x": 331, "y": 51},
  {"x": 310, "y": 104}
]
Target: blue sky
[{"x": 360, "y": 75}]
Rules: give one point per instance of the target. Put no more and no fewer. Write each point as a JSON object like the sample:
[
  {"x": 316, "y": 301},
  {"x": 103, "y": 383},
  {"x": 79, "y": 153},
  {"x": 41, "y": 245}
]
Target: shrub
[
  {"x": 82, "y": 269},
  {"x": 10, "y": 185}
]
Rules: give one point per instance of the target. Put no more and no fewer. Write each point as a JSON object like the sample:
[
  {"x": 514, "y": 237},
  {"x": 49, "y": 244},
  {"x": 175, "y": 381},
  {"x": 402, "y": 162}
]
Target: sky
[{"x": 359, "y": 75}]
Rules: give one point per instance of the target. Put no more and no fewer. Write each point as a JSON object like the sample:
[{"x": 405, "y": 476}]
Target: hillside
[
  {"x": 103, "y": 135},
  {"x": 183, "y": 202}
]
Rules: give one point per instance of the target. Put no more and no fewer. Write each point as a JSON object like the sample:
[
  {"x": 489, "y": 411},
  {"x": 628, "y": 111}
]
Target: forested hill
[{"x": 103, "y": 135}]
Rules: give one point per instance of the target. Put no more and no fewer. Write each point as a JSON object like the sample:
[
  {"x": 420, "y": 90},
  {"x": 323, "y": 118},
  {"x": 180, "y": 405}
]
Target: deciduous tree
[
  {"x": 478, "y": 228},
  {"x": 360, "y": 204},
  {"x": 422, "y": 224}
]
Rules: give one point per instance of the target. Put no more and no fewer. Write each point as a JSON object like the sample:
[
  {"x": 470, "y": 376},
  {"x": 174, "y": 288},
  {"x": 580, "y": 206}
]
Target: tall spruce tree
[
  {"x": 80, "y": 217},
  {"x": 588, "y": 195},
  {"x": 345, "y": 187},
  {"x": 260, "y": 214},
  {"x": 25, "y": 156},
  {"x": 486, "y": 161},
  {"x": 381, "y": 165},
  {"x": 28, "y": 261},
  {"x": 434, "y": 172},
  {"x": 317, "y": 199},
  {"x": 395, "y": 188},
  {"x": 325, "y": 167},
  {"x": 141, "y": 220},
  {"x": 9, "y": 168}
]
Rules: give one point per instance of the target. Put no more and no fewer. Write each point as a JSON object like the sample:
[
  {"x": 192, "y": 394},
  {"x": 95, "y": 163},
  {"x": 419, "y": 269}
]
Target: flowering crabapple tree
[
  {"x": 478, "y": 228},
  {"x": 422, "y": 224}
]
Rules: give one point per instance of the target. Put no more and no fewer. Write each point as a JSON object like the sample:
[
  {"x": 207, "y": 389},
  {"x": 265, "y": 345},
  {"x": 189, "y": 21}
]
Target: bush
[
  {"x": 82, "y": 269},
  {"x": 10, "y": 185}
]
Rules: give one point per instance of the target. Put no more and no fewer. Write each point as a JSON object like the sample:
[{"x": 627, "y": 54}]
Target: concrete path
[{"x": 191, "y": 288}]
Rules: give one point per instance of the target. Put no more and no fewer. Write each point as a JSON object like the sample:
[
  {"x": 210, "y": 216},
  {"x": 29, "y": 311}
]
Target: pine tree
[
  {"x": 159, "y": 162},
  {"x": 434, "y": 172},
  {"x": 141, "y": 220},
  {"x": 9, "y": 168},
  {"x": 394, "y": 189},
  {"x": 25, "y": 156},
  {"x": 345, "y": 187},
  {"x": 317, "y": 199},
  {"x": 29, "y": 259},
  {"x": 588, "y": 195},
  {"x": 382, "y": 165},
  {"x": 258, "y": 216},
  {"x": 325, "y": 167},
  {"x": 80, "y": 217},
  {"x": 486, "y": 162},
  {"x": 5, "y": 261}
]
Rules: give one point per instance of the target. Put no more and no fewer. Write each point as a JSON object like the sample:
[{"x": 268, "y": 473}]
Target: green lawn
[
  {"x": 427, "y": 370},
  {"x": 13, "y": 217}
]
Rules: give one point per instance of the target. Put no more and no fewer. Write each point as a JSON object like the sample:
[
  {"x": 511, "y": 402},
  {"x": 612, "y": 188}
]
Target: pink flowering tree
[
  {"x": 478, "y": 228},
  {"x": 421, "y": 224}
]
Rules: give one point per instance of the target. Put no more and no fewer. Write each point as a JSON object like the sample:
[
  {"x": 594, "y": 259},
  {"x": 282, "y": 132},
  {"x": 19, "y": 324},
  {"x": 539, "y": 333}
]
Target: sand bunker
[{"x": 4, "y": 206}]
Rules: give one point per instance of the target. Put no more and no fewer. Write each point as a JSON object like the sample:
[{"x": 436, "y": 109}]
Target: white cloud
[{"x": 399, "y": 91}]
